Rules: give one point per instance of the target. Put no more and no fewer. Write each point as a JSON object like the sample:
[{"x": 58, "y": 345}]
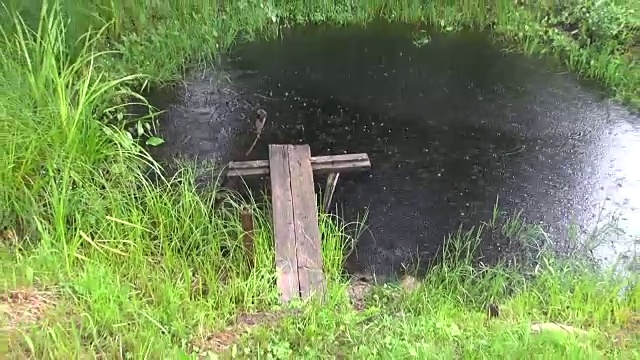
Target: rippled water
[{"x": 449, "y": 127}]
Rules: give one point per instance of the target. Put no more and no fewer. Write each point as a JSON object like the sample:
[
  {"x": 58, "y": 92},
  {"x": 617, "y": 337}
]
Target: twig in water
[
  {"x": 264, "y": 97},
  {"x": 260, "y": 121}
]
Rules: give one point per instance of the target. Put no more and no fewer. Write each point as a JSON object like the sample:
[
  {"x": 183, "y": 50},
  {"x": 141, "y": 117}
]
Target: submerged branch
[{"x": 259, "y": 124}]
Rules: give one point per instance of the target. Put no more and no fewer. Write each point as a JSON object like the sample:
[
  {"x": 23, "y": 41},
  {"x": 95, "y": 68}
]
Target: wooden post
[
  {"x": 295, "y": 212},
  {"x": 246, "y": 220},
  {"x": 329, "y": 189}
]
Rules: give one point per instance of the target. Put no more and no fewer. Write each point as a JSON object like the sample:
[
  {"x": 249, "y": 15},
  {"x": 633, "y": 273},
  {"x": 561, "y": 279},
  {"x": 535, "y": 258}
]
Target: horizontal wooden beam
[{"x": 319, "y": 164}]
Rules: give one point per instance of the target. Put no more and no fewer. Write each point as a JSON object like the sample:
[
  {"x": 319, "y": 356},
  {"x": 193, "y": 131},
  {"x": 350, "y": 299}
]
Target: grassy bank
[
  {"x": 98, "y": 261},
  {"x": 598, "y": 39}
]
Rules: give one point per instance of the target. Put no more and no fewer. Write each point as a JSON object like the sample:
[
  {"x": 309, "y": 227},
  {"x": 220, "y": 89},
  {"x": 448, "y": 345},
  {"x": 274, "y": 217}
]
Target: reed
[{"x": 141, "y": 269}]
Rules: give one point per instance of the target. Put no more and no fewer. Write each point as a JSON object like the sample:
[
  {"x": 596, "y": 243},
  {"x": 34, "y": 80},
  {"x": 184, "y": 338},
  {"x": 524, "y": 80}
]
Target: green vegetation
[{"x": 119, "y": 266}]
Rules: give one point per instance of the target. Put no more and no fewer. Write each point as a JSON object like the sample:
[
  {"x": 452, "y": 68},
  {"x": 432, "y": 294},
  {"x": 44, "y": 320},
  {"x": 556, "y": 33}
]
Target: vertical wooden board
[
  {"x": 329, "y": 189},
  {"x": 305, "y": 214},
  {"x": 283, "y": 223},
  {"x": 246, "y": 220}
]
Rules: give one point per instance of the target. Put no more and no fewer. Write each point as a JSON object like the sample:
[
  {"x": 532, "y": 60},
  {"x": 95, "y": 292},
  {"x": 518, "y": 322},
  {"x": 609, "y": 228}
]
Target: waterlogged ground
[{"x": 451, "y": 123}]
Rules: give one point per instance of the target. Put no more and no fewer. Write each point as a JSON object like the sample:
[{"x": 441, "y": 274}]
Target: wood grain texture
[
  {"x": 329, "y": 189},
  {"x": 305, "y": 214},
  {"x": 246, "y": 220},
  {"x": 319, "y": 164},
  {"x": 299, "y": 263},
  {"x": 283, "y": 223}
]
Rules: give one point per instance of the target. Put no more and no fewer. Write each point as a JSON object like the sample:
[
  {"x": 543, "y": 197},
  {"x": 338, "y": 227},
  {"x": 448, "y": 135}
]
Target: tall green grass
[
  {"x": 162, "y": 259},
  {"x": 140, "y": 268},
  {"x": 446, "y": 316},
  {"x": 597, "y": 39}
]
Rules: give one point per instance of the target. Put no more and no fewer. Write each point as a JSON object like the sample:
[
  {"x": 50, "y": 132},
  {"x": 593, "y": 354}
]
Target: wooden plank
[
  {"x": 283, "y": 223},
  {"x": 319, "y": 164},
  {"x": 305, "y": 214}
]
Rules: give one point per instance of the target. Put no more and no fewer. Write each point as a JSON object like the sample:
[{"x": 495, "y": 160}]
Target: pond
[{"x": 451, "y": 124}]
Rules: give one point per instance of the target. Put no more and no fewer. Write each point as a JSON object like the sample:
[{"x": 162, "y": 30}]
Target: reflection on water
[
  {"x": 619, "y": 180},
  {"x": 449, "y": 127}
]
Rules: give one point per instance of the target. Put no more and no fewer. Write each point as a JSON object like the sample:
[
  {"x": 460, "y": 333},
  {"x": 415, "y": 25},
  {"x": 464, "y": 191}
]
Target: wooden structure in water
[{"x": 295, "y": 214}]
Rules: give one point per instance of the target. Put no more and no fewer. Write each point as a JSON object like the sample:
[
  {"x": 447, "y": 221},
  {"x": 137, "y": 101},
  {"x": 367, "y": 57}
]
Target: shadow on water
[{"x": 449, "y": 126}]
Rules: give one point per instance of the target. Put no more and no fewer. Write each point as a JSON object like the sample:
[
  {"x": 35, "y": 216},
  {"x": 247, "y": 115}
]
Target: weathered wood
[
  {"x": 283, "y": 223},
  {"x": 305, "y": 214},
  {"x": 299, "y": 263},
  {"x": 246, "y": 221},
  {"x": 319, "y": 164},
  {"x": 329, "y": 189}
]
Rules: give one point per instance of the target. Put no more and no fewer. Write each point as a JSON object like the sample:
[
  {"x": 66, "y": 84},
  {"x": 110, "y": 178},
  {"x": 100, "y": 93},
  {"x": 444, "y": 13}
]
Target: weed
[{"x": 141, "y": 268}]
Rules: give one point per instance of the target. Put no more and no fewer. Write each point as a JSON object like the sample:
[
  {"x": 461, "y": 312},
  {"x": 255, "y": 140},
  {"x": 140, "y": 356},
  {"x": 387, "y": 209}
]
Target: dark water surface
[{"x": 449, "y": 126}]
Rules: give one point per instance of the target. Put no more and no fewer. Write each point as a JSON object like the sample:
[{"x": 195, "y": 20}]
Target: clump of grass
[
  {"x": 142, "y": 267},
  {"x": 160, "y": 266},
  {"x": 160, "y": 259},
  {"x": 596, "y": 39},
  {"x": 51, "y": 140},
  {"x": 446, "y": 316}
]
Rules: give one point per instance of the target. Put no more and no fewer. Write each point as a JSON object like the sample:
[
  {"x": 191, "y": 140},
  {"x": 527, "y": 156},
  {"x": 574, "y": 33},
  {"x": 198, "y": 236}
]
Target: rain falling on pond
[{"x": 451, "y": 125}]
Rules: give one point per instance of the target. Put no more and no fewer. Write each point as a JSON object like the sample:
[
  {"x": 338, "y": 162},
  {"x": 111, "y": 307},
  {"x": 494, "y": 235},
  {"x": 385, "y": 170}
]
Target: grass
[{"x": 101, "y": 262}]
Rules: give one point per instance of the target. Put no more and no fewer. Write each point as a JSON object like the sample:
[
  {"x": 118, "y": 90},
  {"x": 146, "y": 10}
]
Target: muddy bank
[{"x": 450, "y": 126}]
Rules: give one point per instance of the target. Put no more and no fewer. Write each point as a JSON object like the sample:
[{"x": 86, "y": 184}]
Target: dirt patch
[
  {"x": 628, "y": 334},
  {"x": 220, "y": 341},
  {"x": 358, "y": 290},
  {"x": 360, "y": 287},
  {"x": 24, "y": 307},
  {"x": 8, "y": 236}
]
